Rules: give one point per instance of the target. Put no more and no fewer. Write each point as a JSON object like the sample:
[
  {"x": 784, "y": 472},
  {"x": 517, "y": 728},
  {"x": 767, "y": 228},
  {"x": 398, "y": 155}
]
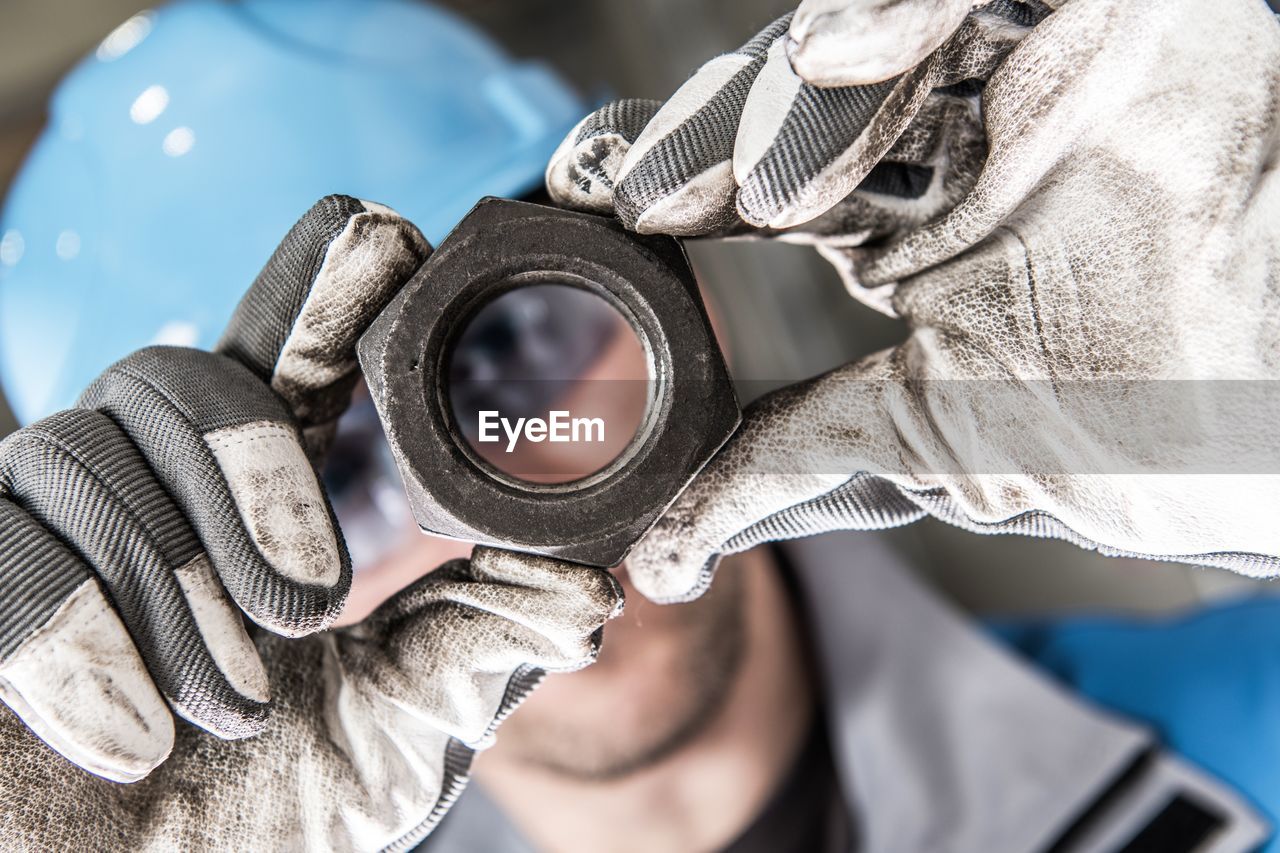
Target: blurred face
[{"x": 664, "y": 671}]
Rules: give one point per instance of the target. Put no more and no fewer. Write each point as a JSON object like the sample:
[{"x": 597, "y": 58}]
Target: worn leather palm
[
  {"x": 183, "y": 482},
  {"x": 1073, "y": 204}
]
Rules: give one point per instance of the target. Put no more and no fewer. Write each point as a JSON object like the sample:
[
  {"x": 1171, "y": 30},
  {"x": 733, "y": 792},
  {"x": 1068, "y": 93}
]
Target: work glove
[
  {"x": 1073, "y": 205},
  {"x": 137, "y": 529}
]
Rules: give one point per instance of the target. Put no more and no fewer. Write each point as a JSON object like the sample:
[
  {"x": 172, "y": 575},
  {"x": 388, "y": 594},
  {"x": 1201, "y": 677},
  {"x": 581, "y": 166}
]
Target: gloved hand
[
  {"x": 184, "y": 477},
  {"x": 1070, "y": 203}
]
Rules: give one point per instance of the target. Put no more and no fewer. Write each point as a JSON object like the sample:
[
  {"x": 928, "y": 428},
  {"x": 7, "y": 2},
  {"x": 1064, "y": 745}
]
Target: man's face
[{"x": 663, "y": 671}]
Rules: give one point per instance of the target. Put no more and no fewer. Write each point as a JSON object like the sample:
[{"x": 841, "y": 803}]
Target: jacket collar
[{"x": 944, "y": 741}]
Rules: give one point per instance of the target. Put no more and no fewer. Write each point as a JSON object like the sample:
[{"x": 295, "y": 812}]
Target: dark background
[{"x": 787, "y": 314}]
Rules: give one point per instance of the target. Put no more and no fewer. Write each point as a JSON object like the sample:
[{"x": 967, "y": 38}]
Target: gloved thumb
[
  {"x": 466, "y": 644},
  {"x": 786, "y": 473},
  {"x": 424, "y": 682}
]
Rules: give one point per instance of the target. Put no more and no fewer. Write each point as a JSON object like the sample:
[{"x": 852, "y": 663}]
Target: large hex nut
[{"x": 504, "y": 244}]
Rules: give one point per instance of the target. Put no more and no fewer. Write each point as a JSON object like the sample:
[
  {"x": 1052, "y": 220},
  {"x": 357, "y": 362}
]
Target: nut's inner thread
[{"x": 548, "y": 383}]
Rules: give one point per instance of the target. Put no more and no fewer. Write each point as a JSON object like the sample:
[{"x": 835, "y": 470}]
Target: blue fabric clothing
[{"x": 1207, "y": 682}]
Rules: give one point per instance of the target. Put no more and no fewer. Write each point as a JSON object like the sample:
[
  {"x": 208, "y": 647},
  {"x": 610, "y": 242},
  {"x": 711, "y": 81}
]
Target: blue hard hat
[{"x": 179, "y": 154}]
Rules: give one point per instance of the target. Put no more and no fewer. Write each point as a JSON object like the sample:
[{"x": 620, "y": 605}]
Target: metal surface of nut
[{"x": 501, "y": 245}]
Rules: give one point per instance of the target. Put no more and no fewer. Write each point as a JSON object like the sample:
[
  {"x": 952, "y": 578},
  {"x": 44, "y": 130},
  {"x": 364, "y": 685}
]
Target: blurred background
[{"x": 786, "y": 313}]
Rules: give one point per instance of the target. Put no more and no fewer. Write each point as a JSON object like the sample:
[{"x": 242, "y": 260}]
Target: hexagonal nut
[{"x": 504, "y": 244}]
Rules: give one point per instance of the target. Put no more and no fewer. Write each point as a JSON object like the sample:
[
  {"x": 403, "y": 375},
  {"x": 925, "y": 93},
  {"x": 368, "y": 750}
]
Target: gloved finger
[
  {"x": 81, "y": 477},
  {"x": 931, "y": 167},
  {"x": 226, "y": 448},
  {"x": 297, "y": 326},
  {"x": 581, "y": 173},
  {"x": 860, "y": 42},
  {"x": 677, "y": 176},
  {"x": 802, "y": 149},
  {"x": 68, "y": 668}
]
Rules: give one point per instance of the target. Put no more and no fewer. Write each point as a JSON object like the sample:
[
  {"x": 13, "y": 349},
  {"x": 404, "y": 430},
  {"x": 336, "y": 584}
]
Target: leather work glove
[
  {"x": 1073, "y": 204},
  {"x": 182, "y": 484}
]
